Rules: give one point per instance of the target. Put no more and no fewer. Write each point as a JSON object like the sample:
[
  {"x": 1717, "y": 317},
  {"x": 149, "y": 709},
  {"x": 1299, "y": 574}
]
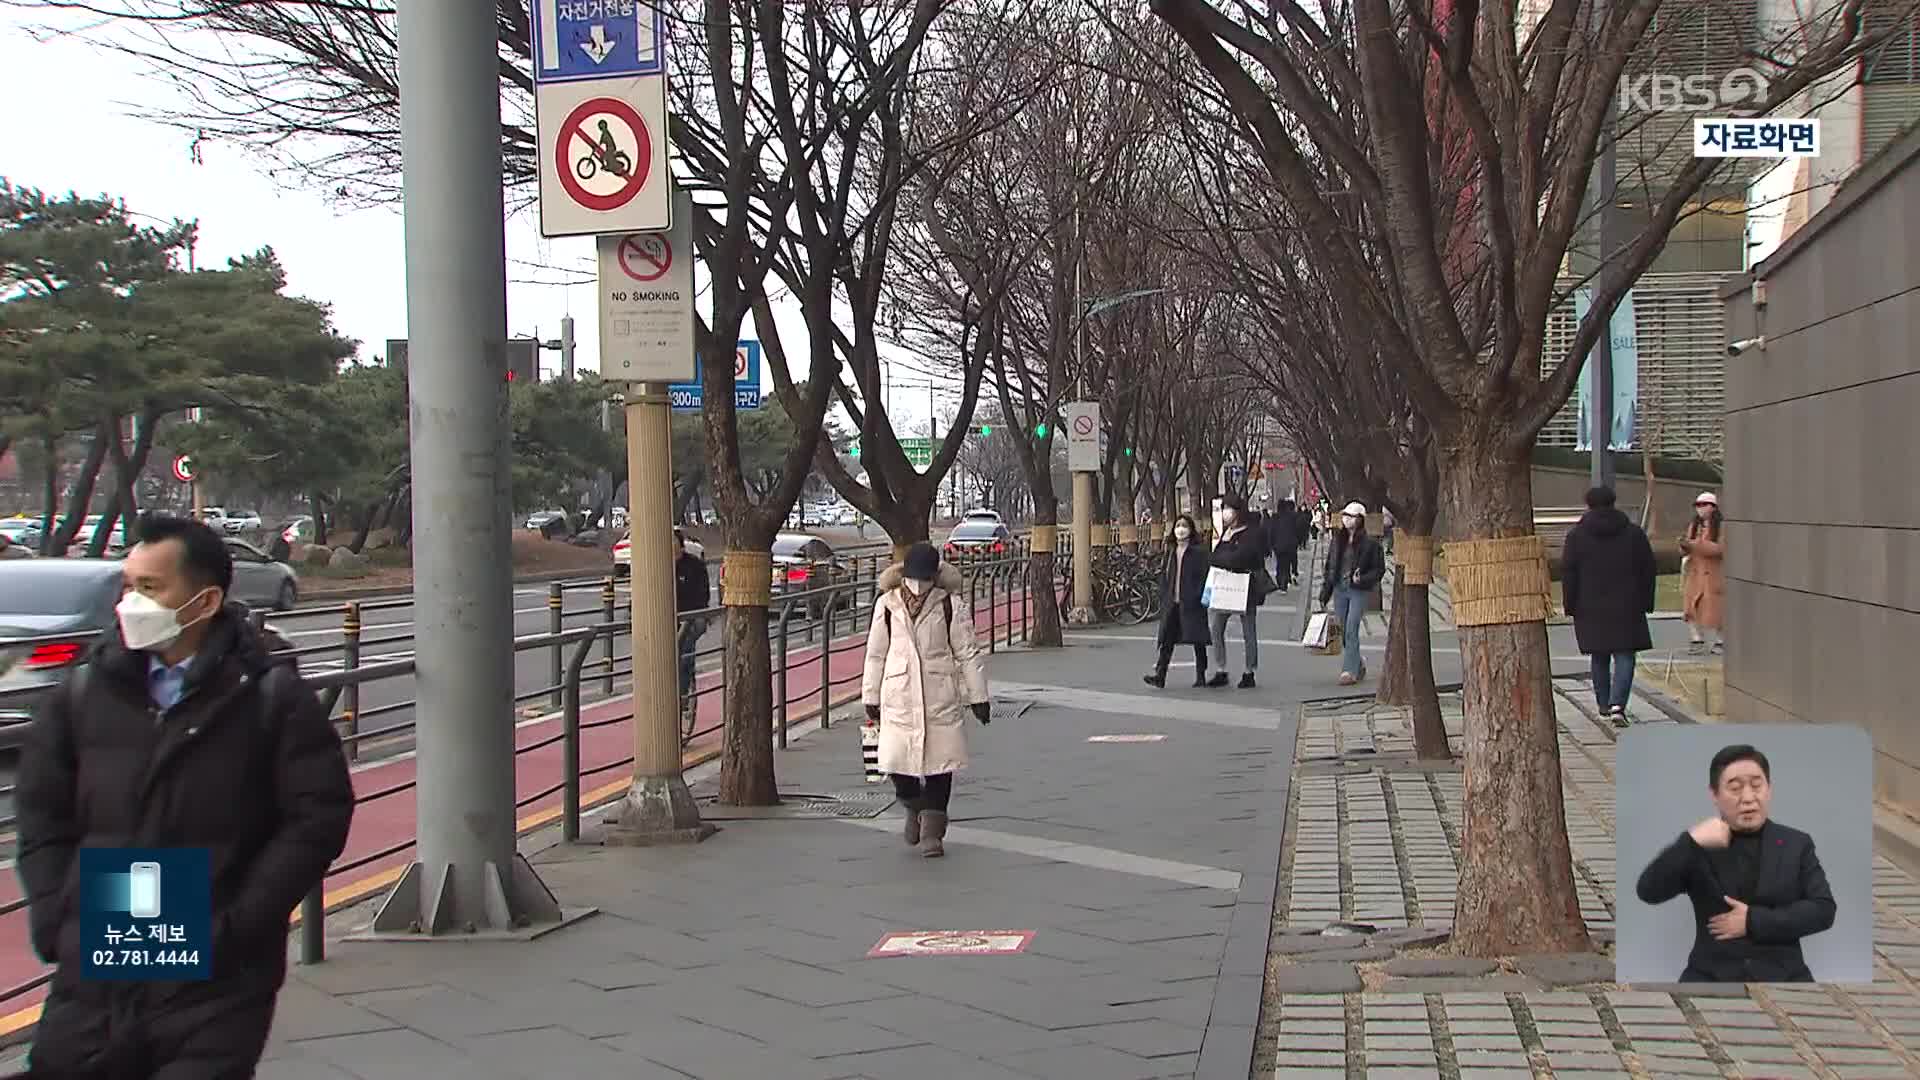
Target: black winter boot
[
  {"x": 912, "y": 832},
  {"x": 933, "y": 833}
]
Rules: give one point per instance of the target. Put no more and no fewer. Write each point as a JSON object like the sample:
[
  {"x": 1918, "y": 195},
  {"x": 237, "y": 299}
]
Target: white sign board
[
  {"x": 603, "y": 156},
  {"x": 646, "y": 303},
  {"x": 1083, "y": 436}
]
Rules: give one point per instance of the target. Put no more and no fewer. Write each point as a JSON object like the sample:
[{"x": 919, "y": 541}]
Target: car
[
  {"x": 64, "y": 603},
  {"x": 240, "y": 521},
  {"x": 22, "y": 531},
  {"x": 803, "y": 562},
  {"x": 258, "y": 581},
  {"x": 298, "y": 531},
  {"x": 623, "y": 551},
  {"x": 83, "y": 540},
  {"x": 549, "y": 523},
  {"x": 981, "y": 514},
  {"x": 214, "y": 516},
  {"x": 978, "y": 538}
]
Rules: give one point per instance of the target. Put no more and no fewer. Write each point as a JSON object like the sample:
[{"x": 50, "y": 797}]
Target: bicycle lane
[{"x": 606, "y": 744}]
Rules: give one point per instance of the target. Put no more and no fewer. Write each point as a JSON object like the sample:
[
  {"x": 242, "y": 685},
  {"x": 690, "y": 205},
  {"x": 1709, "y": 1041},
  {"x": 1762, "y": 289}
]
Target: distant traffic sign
[
  {"x": 596, "y": 39},
  {"x": 919, "y": 451},
  {"x": 646, "y": 303},
  {"x": 692, "y": 396},
  {"x": 183, "y": 469},
  {"x": 603, "y": 156}
]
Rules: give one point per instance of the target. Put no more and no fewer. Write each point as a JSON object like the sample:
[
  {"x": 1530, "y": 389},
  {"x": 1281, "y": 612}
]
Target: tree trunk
[
  {"x": 1394, "y": 676},
  {"x": 80, "y": 492},
  {"x": 123, "y": 505},
  {"x": 1429, "y": 728},
  {"x": 746, "y": 761},
  {"x": 1516, "y": 892},
  {"x": 908, "y": 517},
  {"x": 52, "y": 495},
  {"x": 318, "y": 504},
  {"x": 1046, "y": 632},
  {"x": 1650, "y": 515},
  {"x": 366, "y": 527}
]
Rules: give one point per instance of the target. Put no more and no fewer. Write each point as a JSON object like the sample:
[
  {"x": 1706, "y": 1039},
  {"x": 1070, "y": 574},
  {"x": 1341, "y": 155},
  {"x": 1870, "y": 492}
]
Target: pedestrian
[
  {"x": 1386, "y": 530},
  {"x": 1283, "y": 539},
  {"x": 1607, "y": 583},
  {"x": 1705, "y": 580},
  {"x": 692, "y": 592},
  {"x": 1183, "y": 582},
  {"x": 924, "y": 672},
  {"x": 181, "y": 729},
  {"x": 1239, "y": 549},
  {"x": 1756, "y": 886},
  {"x": 1355, "y": 567}
]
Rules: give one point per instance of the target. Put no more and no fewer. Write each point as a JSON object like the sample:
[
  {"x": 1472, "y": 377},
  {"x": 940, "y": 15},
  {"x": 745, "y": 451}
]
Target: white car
[
  {"x": 623, "y": 552},
  {"x": 241, "y": 521}
]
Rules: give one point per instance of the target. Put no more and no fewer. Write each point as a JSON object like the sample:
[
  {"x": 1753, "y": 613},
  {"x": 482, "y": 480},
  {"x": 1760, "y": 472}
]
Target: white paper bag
[
  {"x": 1317, "y": 630},
  {"x": 1226, "y": 590}
]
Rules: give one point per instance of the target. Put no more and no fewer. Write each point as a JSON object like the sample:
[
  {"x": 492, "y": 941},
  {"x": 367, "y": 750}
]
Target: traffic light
[
  {"x": 1040, "y": 431},
  {"x": 1128, "y": 451},
  {"x": 986, "y": 429}
]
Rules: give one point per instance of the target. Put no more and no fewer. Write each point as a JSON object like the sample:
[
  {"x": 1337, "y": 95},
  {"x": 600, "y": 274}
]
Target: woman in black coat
[{"x": 1184, "y": 621}]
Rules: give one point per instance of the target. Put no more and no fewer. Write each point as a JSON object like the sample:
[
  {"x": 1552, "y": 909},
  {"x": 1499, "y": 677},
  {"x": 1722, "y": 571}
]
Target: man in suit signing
[{"x": 1756, "y": 885}]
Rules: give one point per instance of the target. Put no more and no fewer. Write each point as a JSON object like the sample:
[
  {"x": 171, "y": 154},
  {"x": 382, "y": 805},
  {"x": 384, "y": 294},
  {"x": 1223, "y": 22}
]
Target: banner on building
[{"x": 1626, "y": 374}]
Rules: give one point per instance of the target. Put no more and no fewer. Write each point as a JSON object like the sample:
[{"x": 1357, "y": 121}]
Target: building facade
[{"x": 1823, "y": 563}]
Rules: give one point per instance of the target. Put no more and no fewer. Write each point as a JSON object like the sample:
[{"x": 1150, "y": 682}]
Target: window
[{"x": 1897, "y": 59}]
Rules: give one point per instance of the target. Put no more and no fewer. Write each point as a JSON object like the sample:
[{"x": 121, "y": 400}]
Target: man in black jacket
[
  {"x": 692, "y": 591},
  {"x": 180, "y": 730},
  {"x": 1283, "y": 540},
  {"x": 1756, "y": 886},
  {"x": 1607, "y": 586}
]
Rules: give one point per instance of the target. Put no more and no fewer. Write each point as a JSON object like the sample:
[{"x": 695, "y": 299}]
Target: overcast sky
[{"x": 65, "y": 130}]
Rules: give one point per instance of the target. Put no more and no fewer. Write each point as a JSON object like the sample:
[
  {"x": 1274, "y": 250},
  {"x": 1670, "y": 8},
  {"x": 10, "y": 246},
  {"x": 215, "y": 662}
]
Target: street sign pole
[
  {"x": 647, "y": 342},
  {"x": 1083, "y": 459},
  {"x": 468, "y": 876}
]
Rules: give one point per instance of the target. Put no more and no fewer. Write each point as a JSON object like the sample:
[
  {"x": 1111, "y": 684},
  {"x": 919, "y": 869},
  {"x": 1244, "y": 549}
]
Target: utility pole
[
  {"x": 1081, "y": 613},
  {"x": 468, "y": 877},
  {"x": 566, "y": 348}
]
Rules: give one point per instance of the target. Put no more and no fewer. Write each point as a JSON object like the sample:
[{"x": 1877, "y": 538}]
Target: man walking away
[
  {"x": 692, "y": 591},
  {"x": 179, "y": 730},
  {"x": 1607, "y": 587},
  {"x": 1284, "y": 541}
]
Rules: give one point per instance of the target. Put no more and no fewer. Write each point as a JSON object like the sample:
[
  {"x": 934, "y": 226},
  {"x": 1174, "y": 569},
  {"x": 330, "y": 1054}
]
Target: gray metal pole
[
  {"x": 566, "y": 347},
  {"x": 468, "y": 877},
  {"x": 1600, "y": 468}
]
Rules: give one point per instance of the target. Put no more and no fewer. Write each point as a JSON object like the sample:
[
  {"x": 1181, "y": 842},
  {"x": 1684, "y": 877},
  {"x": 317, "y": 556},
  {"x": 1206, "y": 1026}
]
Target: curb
[{"x": 1233, "y": 1021}]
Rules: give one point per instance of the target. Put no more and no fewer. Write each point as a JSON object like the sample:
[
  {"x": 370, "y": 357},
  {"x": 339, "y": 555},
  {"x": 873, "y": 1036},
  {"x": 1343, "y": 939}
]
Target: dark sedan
[
  {"x": 50, "y": 611},
  {"x": 978, "y": 538}
]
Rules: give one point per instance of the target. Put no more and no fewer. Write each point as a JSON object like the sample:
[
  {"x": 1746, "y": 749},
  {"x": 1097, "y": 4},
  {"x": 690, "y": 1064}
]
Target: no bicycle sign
[{"x": 603, "y": 154}]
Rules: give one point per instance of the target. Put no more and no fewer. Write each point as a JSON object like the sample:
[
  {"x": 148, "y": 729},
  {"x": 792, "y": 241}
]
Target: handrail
[{"x": 331, "y": 686}]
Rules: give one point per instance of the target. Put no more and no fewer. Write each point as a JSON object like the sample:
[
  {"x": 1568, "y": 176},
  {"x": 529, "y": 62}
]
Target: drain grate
[
  {"x": 1010, "y": 708},
  {"x": 839, "y": 804}
]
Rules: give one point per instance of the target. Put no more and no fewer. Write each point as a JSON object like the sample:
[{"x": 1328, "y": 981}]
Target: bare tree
[{"x": 1346, "y": 99}]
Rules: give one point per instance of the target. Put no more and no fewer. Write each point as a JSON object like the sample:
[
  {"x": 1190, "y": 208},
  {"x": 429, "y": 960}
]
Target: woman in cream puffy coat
[{"x": 925, "y": 671}]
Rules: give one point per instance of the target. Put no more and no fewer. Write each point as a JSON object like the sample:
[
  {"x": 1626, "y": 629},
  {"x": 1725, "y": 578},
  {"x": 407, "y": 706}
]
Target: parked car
[
  {"x": 981, "y": 515},
  {"x": 83, "y": 540},
  {"x": 66, "y": 600},
  {"x": 298, "y": 531},
  {"x": 549, "y": 523},
  {"x": 240, "y": 521},
  {"x": 260, "y": 582},
  {"x": 978, "y": 538},
  {"x": 623, "y": 551},
  {"x": 215, "y": 517}
]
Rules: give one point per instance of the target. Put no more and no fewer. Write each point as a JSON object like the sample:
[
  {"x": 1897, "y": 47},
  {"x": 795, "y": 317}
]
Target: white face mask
[
  {"x": 918, "y": 587},
  {"x": 1350, "y": 522},
  {"x": 146, "y": 624},
  {"x": 1182, "y": 533}
]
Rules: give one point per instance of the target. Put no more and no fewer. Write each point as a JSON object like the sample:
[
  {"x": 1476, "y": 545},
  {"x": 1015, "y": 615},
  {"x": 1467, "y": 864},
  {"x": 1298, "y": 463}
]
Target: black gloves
[
  {"x": 873, "y": 713},
  {"x": 983, "y": 712}
]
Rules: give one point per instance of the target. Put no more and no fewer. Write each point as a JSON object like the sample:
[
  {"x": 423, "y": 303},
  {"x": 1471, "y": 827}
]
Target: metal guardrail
[{"x": 846, "y": 605}]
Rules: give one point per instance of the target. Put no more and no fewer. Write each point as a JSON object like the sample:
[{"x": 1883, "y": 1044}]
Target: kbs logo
[{"x": 1741, "y": 88}]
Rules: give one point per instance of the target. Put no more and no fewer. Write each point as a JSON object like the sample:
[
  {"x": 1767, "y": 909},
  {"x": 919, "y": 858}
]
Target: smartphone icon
[{"x": 143, "y": 892}]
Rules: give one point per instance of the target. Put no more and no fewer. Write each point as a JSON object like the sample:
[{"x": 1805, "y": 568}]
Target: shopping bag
[
  {"x": 1226, "y": 590},
  {"x": 1336, "y": 638},
  {"x": 1317, "y": 630}
]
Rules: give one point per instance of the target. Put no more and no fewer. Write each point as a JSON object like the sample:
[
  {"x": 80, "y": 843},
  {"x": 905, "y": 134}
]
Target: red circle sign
[
  {"x": 739, "y": 363},
  {"x": 645, "y": 259},
  {"x": 575, "y": 128},
  {"x": 183, "y": 469},
  {"x": 1083, "y": 425}
]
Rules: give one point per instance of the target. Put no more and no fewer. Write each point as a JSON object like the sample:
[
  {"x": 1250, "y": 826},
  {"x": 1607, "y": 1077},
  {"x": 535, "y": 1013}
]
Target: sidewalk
[
  {"x": 1376, "y": 840},
  {"x": 1112, "y": 870}
]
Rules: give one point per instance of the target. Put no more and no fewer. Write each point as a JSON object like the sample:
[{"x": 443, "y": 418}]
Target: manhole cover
[
  {"x": 1010, "y": 708},
  {"x": 840, "y": 804}
]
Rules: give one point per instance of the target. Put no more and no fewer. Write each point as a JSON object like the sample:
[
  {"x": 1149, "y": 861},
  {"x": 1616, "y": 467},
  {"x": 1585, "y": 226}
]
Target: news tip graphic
[{"x": 146, "y": 914}]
